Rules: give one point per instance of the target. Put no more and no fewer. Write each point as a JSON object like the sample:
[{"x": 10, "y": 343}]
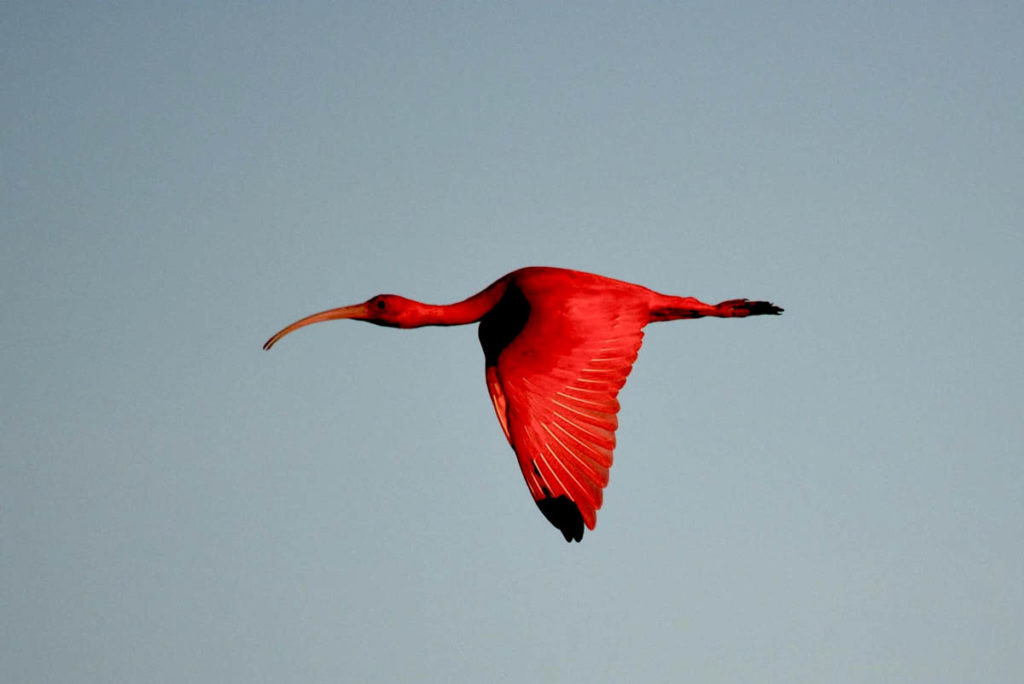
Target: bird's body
[{"x": 558, "y": 345}]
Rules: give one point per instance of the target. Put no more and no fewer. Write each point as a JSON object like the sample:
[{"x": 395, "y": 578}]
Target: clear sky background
[{"x": 835, "y": 495}]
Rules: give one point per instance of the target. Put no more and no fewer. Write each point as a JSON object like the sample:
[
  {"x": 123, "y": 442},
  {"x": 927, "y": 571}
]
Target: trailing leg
[
  {"x": 668, "y": 308},
  {"x": 740, "y": 308}
]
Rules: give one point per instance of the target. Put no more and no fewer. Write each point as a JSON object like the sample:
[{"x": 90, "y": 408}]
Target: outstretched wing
[{"x": 554, "y": 389}]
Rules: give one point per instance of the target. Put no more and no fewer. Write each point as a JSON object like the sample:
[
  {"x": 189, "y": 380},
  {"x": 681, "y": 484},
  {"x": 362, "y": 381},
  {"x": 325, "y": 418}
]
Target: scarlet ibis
[{"x": 558, "y": 345}]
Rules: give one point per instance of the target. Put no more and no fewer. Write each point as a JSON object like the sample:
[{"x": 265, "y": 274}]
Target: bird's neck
[{"x": 469, "y": 310}]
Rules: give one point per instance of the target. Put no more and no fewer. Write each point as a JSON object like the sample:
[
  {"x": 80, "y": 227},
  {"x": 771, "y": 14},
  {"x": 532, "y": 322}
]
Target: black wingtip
[{"x": 563, "y": 514}]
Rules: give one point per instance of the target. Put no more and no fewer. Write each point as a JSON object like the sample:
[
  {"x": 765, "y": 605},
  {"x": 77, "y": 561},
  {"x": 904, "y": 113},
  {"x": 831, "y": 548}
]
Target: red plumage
[{"x": 558, "y": 346}]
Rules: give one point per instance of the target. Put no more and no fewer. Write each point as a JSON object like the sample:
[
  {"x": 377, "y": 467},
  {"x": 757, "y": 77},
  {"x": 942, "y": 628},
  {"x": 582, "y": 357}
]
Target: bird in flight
[{"x": 558, "y": 345}]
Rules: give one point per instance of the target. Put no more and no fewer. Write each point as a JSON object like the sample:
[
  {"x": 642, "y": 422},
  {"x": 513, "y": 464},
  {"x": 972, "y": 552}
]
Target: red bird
[{"x": 558, "y": 345}]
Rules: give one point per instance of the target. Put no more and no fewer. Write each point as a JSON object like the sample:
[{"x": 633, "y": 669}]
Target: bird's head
[{"x": 384, "y": 309}]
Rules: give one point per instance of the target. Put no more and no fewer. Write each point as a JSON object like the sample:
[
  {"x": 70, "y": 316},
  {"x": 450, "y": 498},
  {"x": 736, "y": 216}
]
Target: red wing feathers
[{"x": 556, "y": 384}]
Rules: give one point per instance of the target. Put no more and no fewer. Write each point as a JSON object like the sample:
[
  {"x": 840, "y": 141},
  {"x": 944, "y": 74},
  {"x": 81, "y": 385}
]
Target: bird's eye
[{"x": 381, "y": 305}]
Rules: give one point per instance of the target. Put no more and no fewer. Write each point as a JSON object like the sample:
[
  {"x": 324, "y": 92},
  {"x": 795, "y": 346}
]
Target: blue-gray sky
[{"x": 836, "y": 495}]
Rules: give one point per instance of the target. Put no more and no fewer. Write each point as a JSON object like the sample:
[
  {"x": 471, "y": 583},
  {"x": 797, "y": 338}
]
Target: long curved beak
[{"x": 354, "y": 311}]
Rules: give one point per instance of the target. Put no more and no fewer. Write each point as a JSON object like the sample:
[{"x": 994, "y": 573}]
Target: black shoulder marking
[
  {"x": 563, "y": 514},
  {"x": 500, "y": 325}
]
